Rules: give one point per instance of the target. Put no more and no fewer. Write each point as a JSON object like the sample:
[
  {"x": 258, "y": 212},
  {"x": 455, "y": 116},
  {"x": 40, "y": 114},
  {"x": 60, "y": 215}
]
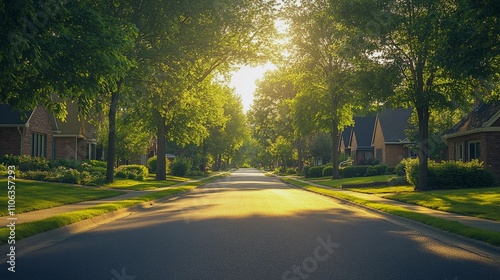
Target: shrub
[
  {"x": 452, "y": 174},
  {"x": 36, "y": 175},
  {"x": 381, "y": 168},
  {"x": 152, "y": 164},
  {"x": 26, "y": 163},
  {"x": 305, "y": 171},
  {"x": 291, "y": 171},
  {"x": 68, "y": 163},
  {"x": 390, "y": 170},
  {"x": 372, "y": 171},
  {"x": 316, "y": 171},
  {"x": 180, "y": 166},
  {"x": 3, "y": 170},
  {"x": 353, "y": 171},
  {"x": 133, "y": 171},
  {"x": 398, "y": 181},
  {"x": 328, "y": 171},
  {"x": 400, "y": 169}
]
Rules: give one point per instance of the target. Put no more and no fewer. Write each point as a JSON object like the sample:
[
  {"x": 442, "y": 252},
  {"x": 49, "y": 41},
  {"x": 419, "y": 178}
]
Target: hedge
[
  {"x": 451, "y": 174},
  {"x": 180, "y": 166},
  {"x": 133, "y": 171},
  {"x": 315, "y": 172},
  {"x": 354, "y": 171},
  {"x": 328, "y": 171}
]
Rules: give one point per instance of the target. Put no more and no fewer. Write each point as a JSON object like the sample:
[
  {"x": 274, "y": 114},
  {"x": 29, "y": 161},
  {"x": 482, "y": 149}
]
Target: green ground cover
[
  {"x": 488, "y": 236},
  {"x": 148, "y": 184},
  {"x": 36, "y": 195},
  {"x": 337, "y": 183},
  {"x": 482, "y": 203},
  {"x": 384, "y": 190}
]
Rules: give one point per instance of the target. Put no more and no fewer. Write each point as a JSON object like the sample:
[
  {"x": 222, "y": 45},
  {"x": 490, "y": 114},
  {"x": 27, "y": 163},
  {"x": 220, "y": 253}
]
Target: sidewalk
[{"x": 466, "y": 220}]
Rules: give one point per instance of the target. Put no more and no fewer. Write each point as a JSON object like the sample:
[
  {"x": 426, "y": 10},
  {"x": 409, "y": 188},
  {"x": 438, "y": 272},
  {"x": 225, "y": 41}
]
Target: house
[
  {"x": 389, "y": 140},
  {"x": 344, "y": 140},
  {"x": 477, "y": 136},
  {"x": 360, "y": 144},
  {"x": 75, "y": 137},
  {"x": 39, "y": 133},
  {"x": 26, "y": 133}
]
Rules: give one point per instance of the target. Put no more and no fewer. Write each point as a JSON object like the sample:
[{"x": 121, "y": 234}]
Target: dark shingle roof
[
  {"x": 394, "y": 122},
  {"x": 363, "y": 128},
  {"x": 346, "y": 136},
  {"x": 478, "y": 118},
  {"x": 10, "y": 116}
]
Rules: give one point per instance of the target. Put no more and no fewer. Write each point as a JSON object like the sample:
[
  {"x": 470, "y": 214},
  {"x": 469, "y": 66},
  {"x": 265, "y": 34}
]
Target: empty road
[{"x": 249, "y": 226}]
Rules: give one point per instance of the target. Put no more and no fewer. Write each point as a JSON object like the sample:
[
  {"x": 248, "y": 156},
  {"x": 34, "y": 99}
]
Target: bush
[
  {"x": 328, "y": 171},
  {"x": 180, "y": 166},
  {"x": 291, "y": 171},
  {"x": 451, "y": 174},
  {"x": 353, "y": 171},
  {"x": 390, "y": 170},
  {"x": 3, "y": 170},
  {"x": 36, "y": 175},
  {"x": 372, "y": 171},
  {"x": 398, "y": 181},
  {"x": 133, "y": 171},
  {"x": 26, "y": 163},
  {"x": 67, "y": 163},
  {"x": 316, "y": 171},
  {"x": 305, "y": 171},
  {"x": 400, "y": 169},
  {"x": 152, "y": 164}
]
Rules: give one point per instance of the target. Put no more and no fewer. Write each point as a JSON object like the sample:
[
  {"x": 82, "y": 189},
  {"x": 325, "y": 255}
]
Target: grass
[
  {"x": 148, "y": 184},
  {"x": 32, "y": 228},
  {"x": 35, "y": 195},
  {"x": 488, "y": 236},
  {"x": 383, "y": 190},
  {"x": 482, "y": 203},
  {"x": 337, "y": 183}
]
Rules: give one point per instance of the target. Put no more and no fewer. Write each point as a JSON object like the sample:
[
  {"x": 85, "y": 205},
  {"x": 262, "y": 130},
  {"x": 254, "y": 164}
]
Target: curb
[
  {"x": 471, "y": 245},
  {"x": 44, "y": 239}
]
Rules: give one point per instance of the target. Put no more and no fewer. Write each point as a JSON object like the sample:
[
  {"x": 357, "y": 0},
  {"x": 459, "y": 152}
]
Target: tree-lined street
[{"x": 249, "y": 226}]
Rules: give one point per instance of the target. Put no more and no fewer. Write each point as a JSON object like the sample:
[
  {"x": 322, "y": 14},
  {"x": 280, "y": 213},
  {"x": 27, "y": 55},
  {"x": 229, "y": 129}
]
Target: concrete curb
[
  {"x": 472, "y": 245},
  {"x": 44, "y": 239}
]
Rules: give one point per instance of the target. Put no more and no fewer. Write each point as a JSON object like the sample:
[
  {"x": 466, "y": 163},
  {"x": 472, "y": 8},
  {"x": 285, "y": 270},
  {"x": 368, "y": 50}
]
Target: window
[
  {"x": 474, "y": 150},
  {"x": 91, "y": 151},
  {"x": 459, "y": 151},
  {"x": 38, "y": 145}
]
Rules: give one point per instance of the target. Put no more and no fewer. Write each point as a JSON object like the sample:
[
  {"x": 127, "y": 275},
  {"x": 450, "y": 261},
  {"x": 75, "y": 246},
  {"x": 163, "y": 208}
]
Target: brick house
[
  {"x": 75, "y": 137},
  {"x": 477, "y": 136},
  {"x": 26, "y": 133},
  {"x": 389, "y": 140},
  {"x": 344, "y": 140},
  {"x": 44, "y": 135},
  {"x": 360, "y": 139}
]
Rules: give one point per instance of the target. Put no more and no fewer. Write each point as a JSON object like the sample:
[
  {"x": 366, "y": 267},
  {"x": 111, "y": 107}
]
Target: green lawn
[
  {"x": 147, "y": 184},
  {"x": 337, "y": 183},
  {"x": 35, "y": 195},
  {"x": 488, "y": 236},
  {"x": 481, "y": 203},
  {"x": 384, "y": 190}
]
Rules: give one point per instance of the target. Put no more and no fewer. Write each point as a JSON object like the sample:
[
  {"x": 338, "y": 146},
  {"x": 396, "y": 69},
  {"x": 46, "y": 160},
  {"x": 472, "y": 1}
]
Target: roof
[
  {"x": 363, "y": 128},
  {"x": 345, "y": 136},
  {"x": 13, "y": 117},
  {"x": 393, "y": 123},
  {"x": 480, "y": 119}
]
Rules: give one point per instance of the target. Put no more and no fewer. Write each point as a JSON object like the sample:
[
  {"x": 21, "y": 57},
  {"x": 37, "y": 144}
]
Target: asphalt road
[{"x": 249, "y": 226}]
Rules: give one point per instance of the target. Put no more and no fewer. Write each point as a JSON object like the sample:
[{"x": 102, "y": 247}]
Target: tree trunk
[
  {"x": 161, "y": 164},
  {"x": 110, "y": 164},
  {"x": 423, "y": 154},
  {"x": 335, "y": 149},
  {"x": 300, "y": 153}
]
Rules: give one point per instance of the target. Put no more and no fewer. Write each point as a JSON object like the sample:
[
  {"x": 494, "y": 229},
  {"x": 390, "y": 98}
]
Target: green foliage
[
  {"x": 180, "y": 166},
  {"x": 400, "y": 169},
  {"x": 305, "y": 171},
  {"x": 452, "y": 174},
  {"x": 152, "y": 165},
  {"x": 353, "y": 171},
  {"x": 25, "y": 162},
  {"x": 315, "y": 172},
  {"x": 133, "y": 171},
  {"x": 372, "y": 171},
  {"x": 291, "y": 171},
  {"x": 328, "y": 171}
]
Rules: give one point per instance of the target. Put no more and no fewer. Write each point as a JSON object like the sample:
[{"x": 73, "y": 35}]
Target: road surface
[{"x": 249, "y": 226}]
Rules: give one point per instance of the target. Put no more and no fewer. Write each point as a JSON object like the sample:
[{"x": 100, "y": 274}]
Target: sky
[{"x": 244, "y": 81}]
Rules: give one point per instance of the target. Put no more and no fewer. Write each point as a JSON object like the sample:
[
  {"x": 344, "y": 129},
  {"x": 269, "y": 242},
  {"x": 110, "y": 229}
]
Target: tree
[
  {"x": 326, "y": 97},
  {"x": 437, "y": 66}
]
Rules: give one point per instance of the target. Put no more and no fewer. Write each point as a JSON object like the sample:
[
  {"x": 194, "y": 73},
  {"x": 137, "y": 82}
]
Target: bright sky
[{"x": 244, "y": 81}]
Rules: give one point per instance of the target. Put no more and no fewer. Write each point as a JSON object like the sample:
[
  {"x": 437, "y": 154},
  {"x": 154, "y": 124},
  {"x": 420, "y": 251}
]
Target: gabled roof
[
  {"x": 363, "y": 129},
  {"x": 483, "y": 118},
  {"x": 10, "y": 117},
  {"x": 345, "y": 136},
  {"x": 393, "y": 123}
]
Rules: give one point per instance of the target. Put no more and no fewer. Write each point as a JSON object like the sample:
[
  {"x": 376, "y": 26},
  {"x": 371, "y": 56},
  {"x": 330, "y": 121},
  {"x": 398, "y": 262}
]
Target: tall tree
[
  {"x": 442, "y": 50},
  {"x": 326, "y": 98}
]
